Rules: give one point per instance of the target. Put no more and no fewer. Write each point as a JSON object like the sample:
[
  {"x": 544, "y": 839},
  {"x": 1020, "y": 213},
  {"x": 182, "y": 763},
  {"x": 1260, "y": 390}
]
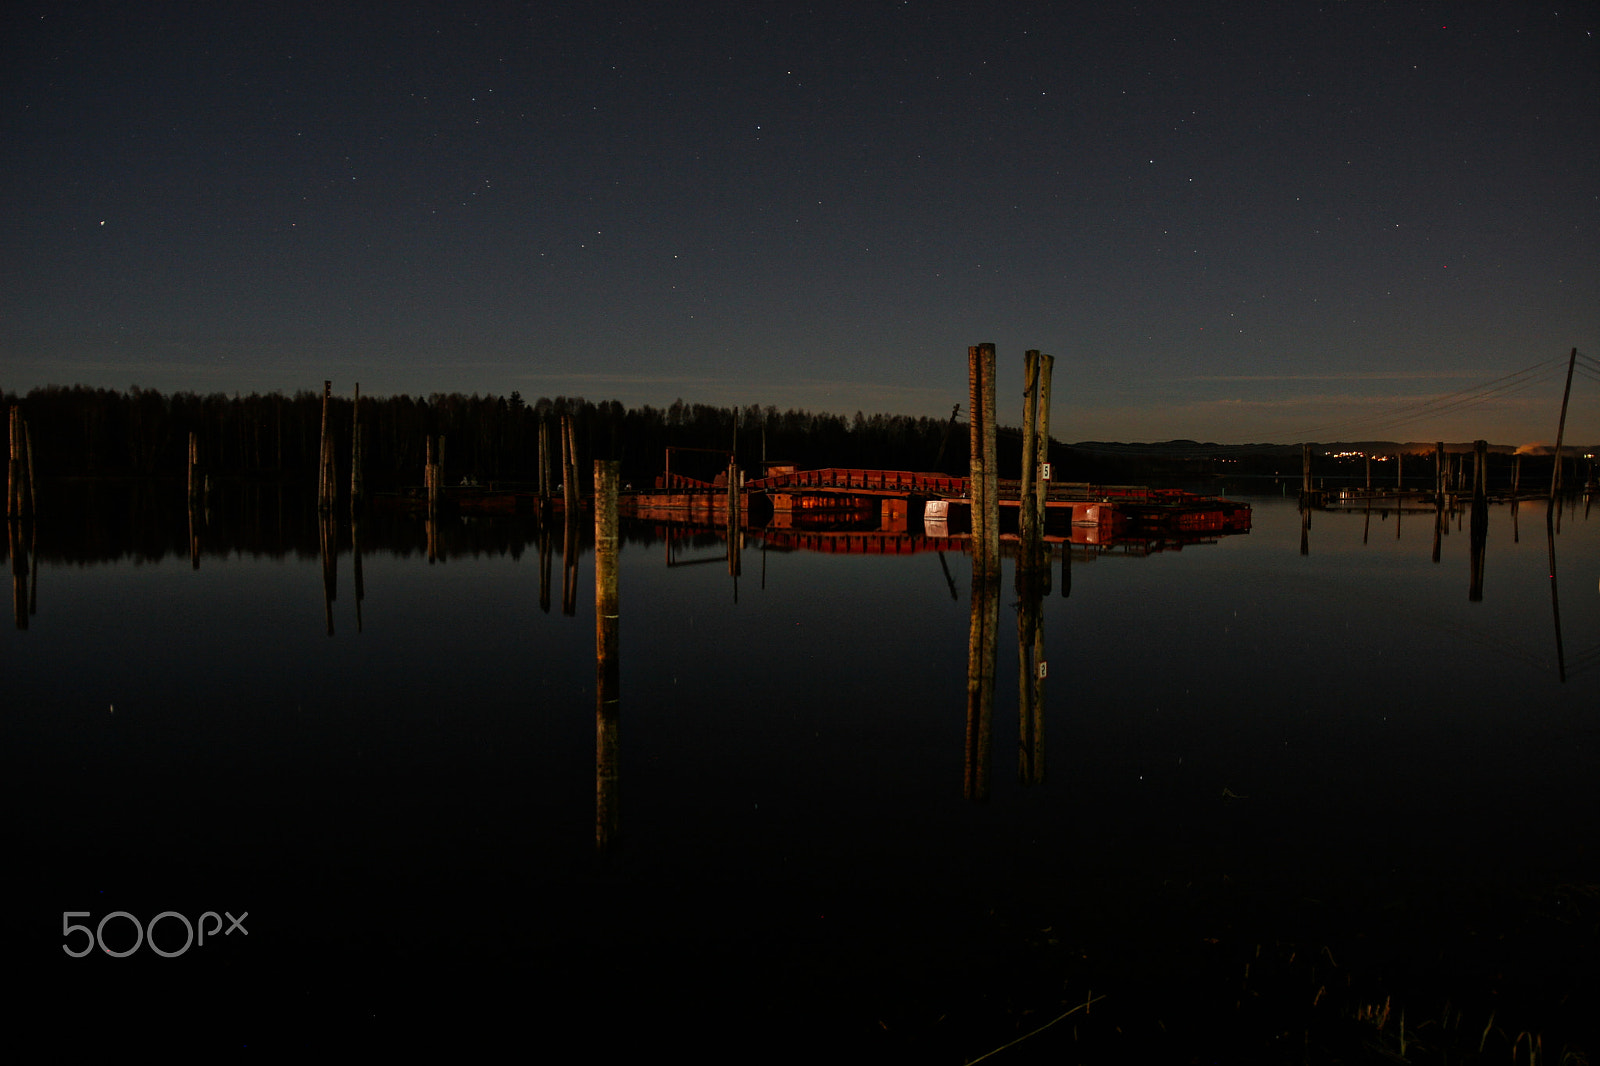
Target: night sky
[{"x": 1228, "y": 221}]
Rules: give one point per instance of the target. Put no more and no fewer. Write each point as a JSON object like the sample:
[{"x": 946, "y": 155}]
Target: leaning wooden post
[
  {"x": 1561, "y": 429},
  {"x": 569, "y": 469},
  {"x": 323, "y": 467},
  {"x": 32, "y": 502},
  {"x": 607, "y": 663}
]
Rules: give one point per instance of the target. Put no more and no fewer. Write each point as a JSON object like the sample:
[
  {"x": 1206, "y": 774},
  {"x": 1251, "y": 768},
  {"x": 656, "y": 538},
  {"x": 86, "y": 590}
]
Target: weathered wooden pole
[
  {"x": 569, "y": 466},
  {"x": 1043, "y": 474},
  {"x": 1438, "y": 471},
  {"x": 1399, "y": 471},
  {"x": 544, "y": 460},
  {"x": 356, "y": 488},
  {"x": 1369, "y": 473},
  {"x": 983, "y": 637},
  {"x": 13, "y": 463},
  {"x": 985, "y": 473},
  {"x": 325, "y": 456},
  {"x": 1480, "y": 518},
  {"x": 1561, "y": 429},
  {"x": 1305, "y": 473},
  {"x": 1026, "y": 501},
  {"x": 194, "y": 471},
  {"x": 607, "y": 661},
  {"x": 735, "y": 508}
]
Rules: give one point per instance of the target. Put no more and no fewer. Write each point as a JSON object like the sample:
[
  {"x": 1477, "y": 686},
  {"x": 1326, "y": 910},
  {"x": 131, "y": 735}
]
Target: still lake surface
[{"x": 400, "y": 788}]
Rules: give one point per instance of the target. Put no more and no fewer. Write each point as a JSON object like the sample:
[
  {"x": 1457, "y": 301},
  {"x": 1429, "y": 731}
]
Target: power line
[{"x": 1495, "y": 388}]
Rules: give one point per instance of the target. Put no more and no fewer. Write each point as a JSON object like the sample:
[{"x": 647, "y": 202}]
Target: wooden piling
[
  {"x": 1480, "y": 518},
  {"x": 194, "y": 471},
  {"x": 430, "y": 477},
  {"x": 31, "y": 504},
  {"x": 985, "y": 475},
  {"x": 569, "y": 466},
  {"x": 1026, "y": 500},
  {"x": 544, "y": 461},
  {"x": 356, "y": 488},
  {"x": 325, "y": 454},
  {"x": 983, "y": 636},
  {"x": 1305, "y": 472},
  {"x": 13, "y": 464},
  {"x": 607, "y": 662},
  {"x": 1561, "y": 429},
  {"x": 735, "y": 512}
]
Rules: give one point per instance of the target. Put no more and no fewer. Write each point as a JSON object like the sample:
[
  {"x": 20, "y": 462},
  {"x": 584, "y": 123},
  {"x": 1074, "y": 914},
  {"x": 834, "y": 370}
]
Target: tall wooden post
[
  {"x": 1040, "y": 558},
  {"x": 325, "y": 455},
  {"x": 13, "y": 463},
  {"x": 356, "y": 488},
  {"x": 1480, "y": 518},
  {"x": 1399, "y": 471},
  {"x": 734, "y": 514},
  {"x": 1030, "y": 430},
  {"x": 607, "y": 663},
  {"x": 984, "y": 472},
  {"x": 569, "y": 466},
  {"x": 544, "y": 460},
  {"x": 31, "y": 504},
  {"x": 1305, "y": 473},
  {"x": 1561, "y": 429},
  {"x": 194, "y": 471},
  {"x": 983, "y": 638}
]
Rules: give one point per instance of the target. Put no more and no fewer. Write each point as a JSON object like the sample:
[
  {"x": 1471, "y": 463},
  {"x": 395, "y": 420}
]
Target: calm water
[{"x": 400, "y": 788}]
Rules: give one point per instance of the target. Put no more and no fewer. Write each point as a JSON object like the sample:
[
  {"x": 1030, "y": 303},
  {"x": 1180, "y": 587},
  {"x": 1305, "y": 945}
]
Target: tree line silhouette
[{"x": 80, "y": 431}]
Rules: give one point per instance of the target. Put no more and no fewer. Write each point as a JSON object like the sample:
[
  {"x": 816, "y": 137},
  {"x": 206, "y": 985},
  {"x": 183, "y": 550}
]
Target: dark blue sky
[{"x": 1230, "y": 221}]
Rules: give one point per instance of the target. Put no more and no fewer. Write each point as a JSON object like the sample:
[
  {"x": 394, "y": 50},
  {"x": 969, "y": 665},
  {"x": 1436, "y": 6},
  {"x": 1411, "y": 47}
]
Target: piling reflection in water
[
  {"x": 607, "y": 670},
  {"x": 24, "y": 572},
  {"x": 328, "y": 533},
  {"x": 1480, "y": 521},
  {"x": 1032, "y": 585}
]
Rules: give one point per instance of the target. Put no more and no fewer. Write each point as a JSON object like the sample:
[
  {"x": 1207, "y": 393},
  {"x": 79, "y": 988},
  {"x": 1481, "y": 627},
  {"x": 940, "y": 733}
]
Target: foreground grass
[{"x": 1214, "y": 976}]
